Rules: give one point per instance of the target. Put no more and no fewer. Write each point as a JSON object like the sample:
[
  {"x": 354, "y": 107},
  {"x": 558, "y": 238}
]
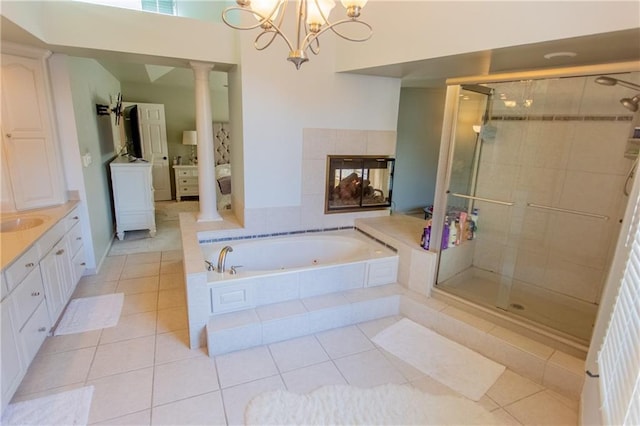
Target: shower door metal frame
[{"x": 447, "y": 141}]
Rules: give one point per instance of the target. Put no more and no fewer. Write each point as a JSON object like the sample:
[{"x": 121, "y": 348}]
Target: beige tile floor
[{"x": 144, "y": 373}]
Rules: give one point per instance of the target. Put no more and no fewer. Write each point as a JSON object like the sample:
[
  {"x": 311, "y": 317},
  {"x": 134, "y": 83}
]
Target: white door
[{"x": 154, "y": 147}]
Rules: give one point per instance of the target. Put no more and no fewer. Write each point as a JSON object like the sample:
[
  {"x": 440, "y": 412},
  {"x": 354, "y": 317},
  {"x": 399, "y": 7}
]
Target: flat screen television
[{"x": 132, "y": 131}]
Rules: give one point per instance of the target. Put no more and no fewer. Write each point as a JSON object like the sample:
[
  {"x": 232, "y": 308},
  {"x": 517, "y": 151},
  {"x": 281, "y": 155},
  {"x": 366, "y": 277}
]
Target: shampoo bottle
[
  {"x": 453, "y": 234},
  {"x": 445, "y": 234},
  {"x": 474, "y": 219}
]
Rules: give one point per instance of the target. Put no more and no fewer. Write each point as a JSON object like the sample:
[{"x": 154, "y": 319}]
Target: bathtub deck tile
[
  {"x": 233, "y": 320},
  {"x": 370, "y": 293},
  {"x": 280, "y": 310},
  {"x": 325, "y": 301}
]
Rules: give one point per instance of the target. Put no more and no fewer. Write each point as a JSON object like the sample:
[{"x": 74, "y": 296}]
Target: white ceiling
[{"x": 619, "y": 46}]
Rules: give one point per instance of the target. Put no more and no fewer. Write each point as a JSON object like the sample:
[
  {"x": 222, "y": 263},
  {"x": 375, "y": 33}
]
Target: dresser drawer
[
  {"x": 21, "y": 267},
  {"x": 188, "y": 190},
  {"x": 187, "y": 181},
  {"x": 34, "y": 332},
  {"x": 75, "y": 238},
  {"x": 27, "y": 296},
  {"x": 187, "y": 173}
]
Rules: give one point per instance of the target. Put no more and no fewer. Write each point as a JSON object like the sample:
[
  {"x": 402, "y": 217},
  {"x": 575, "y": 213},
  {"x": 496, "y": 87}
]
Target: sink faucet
[{"x": 222, "y": 257}]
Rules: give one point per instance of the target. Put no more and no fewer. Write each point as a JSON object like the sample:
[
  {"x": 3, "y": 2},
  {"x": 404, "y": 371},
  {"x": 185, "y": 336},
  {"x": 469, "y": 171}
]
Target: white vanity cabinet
[
  {"x": 38, "y": 284},
  {"x": 28, "y": 135},
  {"x": 133, "y": 196},
  {"x": 12, "y": 366}
]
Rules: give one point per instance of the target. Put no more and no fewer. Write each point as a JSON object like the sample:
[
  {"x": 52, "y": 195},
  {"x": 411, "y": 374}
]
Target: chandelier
[{"x": 312, "y": 21}]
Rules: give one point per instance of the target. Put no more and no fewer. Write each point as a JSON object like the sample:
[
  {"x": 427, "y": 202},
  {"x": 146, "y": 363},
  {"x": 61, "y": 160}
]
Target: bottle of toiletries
[
  {"x": 175, "y": 161},
  {"x": 426, "y": 235},
  {"x": 453, "y": 233},
  {"x": 474, "y": 219},
  {"x": 469, "y": 229},
  {"x": 462, "y": 236},
  {"x": 445, "y": 234},
  {"x": 458, "y": 231}
]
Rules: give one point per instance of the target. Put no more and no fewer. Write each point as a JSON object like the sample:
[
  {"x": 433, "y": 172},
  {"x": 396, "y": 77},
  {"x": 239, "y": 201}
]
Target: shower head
[
  {"x": 610, "y": 81},
  {"x": 631, "y": 103}
]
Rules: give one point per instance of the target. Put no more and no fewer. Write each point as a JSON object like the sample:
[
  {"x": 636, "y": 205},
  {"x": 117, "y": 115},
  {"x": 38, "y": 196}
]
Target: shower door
[{"x": 535, "y": 191}]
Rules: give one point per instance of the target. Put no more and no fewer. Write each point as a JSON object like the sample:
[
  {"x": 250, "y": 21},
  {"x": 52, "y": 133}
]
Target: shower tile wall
[{"x": 566, "y": 150}]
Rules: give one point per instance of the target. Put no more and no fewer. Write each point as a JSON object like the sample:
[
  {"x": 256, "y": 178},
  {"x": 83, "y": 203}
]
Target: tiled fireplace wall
[{"x": 309, "y": 215}]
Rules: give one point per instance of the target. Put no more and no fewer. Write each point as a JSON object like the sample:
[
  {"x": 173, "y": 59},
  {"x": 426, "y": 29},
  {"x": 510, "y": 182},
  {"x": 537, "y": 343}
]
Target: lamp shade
[{"x": 189, "y": 137}]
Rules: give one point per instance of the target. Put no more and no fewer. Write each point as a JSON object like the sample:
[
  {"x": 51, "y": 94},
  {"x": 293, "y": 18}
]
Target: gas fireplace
[{"x": 358, "y": 183}]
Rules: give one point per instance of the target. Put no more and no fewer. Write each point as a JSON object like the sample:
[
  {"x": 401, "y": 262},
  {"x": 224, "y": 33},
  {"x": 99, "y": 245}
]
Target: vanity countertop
[{"x": 13, "y": 244}]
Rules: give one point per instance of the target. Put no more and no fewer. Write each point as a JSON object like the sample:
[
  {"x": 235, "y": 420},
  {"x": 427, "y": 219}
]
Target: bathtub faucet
[{"x": 222, "y": 257}]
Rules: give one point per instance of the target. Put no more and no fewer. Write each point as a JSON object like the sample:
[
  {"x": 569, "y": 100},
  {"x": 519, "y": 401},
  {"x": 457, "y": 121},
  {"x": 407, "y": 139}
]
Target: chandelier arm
[
  {"x": 314, "y": 36},
  {"x": 315, "y": 50},
  {"x": 243, "y": 10},
  {"x": 273, "y": 27},
  {"x": 273, "y": 37},
  {"x": 333, "y": 26}
]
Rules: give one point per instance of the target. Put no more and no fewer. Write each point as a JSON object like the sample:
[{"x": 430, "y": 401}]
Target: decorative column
[{"x": 204, "y": 127}]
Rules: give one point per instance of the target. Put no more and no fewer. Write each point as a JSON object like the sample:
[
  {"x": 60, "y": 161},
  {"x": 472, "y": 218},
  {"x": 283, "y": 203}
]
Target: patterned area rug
[{"x": 348, "y": 405}]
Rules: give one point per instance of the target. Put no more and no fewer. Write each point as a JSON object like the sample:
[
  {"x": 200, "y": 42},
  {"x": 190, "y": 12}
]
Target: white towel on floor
[
  {"x": 64, "y": 408},
  {"x": 91, "y": 313},
  {"x": 456, "y": 366}
]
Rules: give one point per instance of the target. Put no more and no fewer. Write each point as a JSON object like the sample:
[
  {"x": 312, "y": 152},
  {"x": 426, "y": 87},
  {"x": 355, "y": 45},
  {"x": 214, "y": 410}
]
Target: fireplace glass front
[{"x": 358, "y": 183}]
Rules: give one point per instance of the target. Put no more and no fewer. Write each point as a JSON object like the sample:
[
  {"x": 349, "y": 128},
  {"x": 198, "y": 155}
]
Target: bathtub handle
[
  {"x": 233, "y": 271},
  {"x": 210, "y": 266}
]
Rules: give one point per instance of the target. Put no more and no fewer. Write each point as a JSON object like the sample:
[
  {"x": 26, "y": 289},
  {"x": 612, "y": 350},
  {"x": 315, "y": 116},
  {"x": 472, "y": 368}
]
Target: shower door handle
[
  {"x": 576, "y": 212},
  {"x": 488, "y": 200}
]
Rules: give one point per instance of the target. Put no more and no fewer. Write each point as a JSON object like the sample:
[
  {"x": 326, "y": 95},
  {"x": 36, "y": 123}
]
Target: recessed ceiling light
[{"x": 560, "y": 55}]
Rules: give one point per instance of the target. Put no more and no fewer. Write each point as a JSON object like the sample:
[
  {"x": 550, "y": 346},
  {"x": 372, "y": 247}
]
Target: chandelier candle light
[{"x": 312, "y": 20}]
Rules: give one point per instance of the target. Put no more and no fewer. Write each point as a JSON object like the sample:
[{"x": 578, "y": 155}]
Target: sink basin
[{"x": 20, "y": 224}]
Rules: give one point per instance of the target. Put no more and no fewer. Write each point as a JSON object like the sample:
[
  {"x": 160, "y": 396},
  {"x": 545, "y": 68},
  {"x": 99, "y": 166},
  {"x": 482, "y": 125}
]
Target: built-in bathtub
[{"x": 263, "y": 271}]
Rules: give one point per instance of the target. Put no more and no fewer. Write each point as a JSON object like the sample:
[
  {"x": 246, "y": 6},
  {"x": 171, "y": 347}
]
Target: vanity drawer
[
  {"x": 51, "y": 238},
  {"x": 72, "y": 219},
  {"x": 27, "y": 296},
  {"x": 21, "y": 267},
  {"x": 34, "y": 332},
  {"x": 75, "y": 238}
]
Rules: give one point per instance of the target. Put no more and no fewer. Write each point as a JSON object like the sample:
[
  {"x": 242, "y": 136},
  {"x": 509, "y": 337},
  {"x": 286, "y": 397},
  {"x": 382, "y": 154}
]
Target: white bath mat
[
  {"x": 91, "y": 313},
  {"x": 463, "y": 370},
  {"x": 348, "y": 405},
  {"x": 65, "y": 408}
]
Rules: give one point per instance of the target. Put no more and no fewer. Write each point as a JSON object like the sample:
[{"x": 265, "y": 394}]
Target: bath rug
[
  {"x": 64, "y": 408},
  {"x": 461, "y": 369},
  {"x": 347, "y": 405},
  {"x": 90, "y": 313}
]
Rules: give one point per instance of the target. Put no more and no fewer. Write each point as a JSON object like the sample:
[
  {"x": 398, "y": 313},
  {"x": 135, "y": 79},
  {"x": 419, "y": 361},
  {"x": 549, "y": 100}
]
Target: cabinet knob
[
  {"x": 42, "y": 329},
  {"x": 8, "y": 135},
  {"x": 75, "y": 218},
  {"x": 59, "y": 252},
  {"x": 30, "y": 265},
  {"x": 35, "y": 293},
  {"x": 78, "y": 238},
  {"x": 83, "y": 264}
]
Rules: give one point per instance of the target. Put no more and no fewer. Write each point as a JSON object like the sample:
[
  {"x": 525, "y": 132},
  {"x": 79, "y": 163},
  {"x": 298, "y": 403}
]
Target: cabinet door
[
  {"x": 27, "y": 134},
  {"x": 12, "y": 366},
  {"x": 52, "y": 285},
  {"x": 58, "y": 278}
]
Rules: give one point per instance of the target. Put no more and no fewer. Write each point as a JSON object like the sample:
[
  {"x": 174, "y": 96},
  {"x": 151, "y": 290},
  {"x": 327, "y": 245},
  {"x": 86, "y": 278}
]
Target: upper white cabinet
[{"x": 28, "y": 135}]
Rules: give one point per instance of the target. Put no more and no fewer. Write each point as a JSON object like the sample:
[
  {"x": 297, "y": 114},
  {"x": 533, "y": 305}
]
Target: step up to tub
[{"x": 300, "y": 317}]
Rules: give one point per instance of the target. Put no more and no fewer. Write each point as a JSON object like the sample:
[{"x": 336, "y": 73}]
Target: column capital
[{"x": 206, "y": 66}]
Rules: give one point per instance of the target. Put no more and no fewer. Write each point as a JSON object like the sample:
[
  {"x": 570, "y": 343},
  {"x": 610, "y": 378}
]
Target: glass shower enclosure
[{"x": 535, "y": 189}]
